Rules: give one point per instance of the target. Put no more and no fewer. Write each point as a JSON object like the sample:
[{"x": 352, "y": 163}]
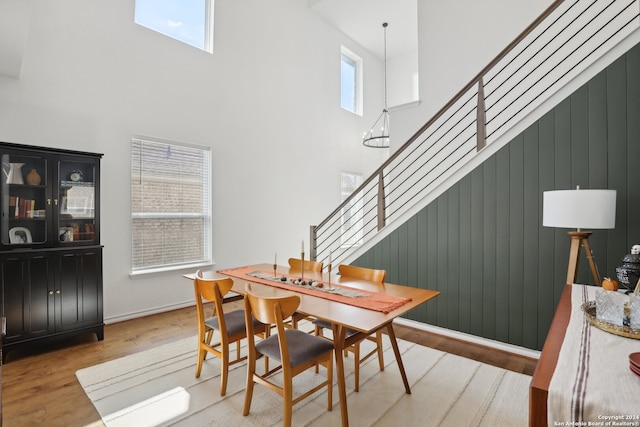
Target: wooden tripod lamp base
[
  {"x": 578, "y": 239},
  {"x": 579, "y": 209}
]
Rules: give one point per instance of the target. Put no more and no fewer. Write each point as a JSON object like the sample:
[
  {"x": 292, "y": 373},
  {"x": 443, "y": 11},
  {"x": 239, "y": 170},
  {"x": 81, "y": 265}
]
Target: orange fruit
[{"x": 609, "y": 284}]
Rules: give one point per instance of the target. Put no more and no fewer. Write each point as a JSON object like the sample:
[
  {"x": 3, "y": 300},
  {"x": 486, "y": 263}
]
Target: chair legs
[
  {"x": 248, "y": 392},
  {"x": 286, "y": 390},
  {"x": 287, "y": 400},
  {"x": 222, "y": 351},
  {"x": 357, "y": 361},
  {"x": 330, "y": 386},
  {"x": 202, "y": 352},
  {"x": 356, "y": 366},
  {"x": 380, "y": 351},
  {"x": 224, "y": 368},
  {"x": 355, "y": 349}
]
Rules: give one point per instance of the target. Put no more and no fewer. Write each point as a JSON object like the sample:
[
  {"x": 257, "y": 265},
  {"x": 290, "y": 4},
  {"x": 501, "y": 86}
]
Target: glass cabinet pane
[
  {"x": 76, "y": 201},
  {"x": 24, "y": 199}
]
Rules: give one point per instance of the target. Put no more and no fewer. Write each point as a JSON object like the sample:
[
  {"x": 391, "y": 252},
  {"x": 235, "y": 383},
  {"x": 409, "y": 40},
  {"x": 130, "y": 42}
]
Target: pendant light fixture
[{"x": 378, "y": 135}]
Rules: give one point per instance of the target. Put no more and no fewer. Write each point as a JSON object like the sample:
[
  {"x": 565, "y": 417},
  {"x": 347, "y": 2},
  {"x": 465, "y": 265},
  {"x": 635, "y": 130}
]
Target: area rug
[{"x": 158, "y": 387}]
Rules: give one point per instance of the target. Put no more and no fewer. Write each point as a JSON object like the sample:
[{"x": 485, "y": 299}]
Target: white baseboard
[
  {"x": 142, "y": 313},
  {"x": 498, "y": 345}
]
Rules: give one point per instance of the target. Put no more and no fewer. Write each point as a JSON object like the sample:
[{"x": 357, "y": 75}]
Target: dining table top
[{"x": 358, "y": 318}]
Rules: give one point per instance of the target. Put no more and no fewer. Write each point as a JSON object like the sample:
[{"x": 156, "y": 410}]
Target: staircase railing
[{"x": 563, "y": 41}]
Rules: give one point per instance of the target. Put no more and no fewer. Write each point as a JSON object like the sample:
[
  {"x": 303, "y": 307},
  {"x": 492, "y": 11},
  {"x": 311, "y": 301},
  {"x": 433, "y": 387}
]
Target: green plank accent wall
[{"x": 482, "y": 243}]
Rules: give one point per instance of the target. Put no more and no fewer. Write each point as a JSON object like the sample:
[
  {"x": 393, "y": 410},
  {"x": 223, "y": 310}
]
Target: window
[
  {"x": 352, "y": 218},
  {"x": 189, "y": 21},
  {"x": 350, "y": 81},
  {"x": 170, "y": 205}
]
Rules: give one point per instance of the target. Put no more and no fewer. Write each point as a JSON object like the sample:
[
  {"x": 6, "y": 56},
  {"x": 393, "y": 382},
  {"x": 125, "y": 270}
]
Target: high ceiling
[{"x": 362, "y": 21}]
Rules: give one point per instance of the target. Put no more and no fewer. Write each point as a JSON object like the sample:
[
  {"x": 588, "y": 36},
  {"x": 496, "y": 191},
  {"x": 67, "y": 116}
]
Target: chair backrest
[
  {"x": 270, "y": 311},
  {"x": 296, "y": 264},
  {"x": 362, "y": 273},
  {"x": 211, "y": 290}
]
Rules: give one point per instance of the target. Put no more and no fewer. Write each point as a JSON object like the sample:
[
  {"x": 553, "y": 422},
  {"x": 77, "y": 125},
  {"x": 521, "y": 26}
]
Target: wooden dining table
[{"x": 341, "y": 315}]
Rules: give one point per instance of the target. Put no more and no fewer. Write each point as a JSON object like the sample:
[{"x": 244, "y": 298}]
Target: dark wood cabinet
[
  {"x": 50, "y": 252},
  {"x": 3, "y": 323}
]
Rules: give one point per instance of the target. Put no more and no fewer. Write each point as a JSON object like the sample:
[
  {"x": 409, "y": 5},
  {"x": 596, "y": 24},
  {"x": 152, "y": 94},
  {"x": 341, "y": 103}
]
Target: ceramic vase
[{"x": 33, "y": 177}]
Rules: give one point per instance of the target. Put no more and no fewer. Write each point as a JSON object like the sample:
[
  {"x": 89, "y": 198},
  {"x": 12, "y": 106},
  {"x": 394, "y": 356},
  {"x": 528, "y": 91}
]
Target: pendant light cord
[
  {"x": 384, "y": 25},
  {"x": 370, "y": 139}
]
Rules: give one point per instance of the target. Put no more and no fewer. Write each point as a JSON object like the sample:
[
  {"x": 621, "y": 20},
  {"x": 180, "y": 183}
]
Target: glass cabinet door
[
  {"x": 24, "y": 199},
  {"x": 76, "y": 202}
]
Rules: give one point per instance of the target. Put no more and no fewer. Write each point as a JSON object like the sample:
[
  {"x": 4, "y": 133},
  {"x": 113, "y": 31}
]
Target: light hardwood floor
[{"x": 40, "y": 388}]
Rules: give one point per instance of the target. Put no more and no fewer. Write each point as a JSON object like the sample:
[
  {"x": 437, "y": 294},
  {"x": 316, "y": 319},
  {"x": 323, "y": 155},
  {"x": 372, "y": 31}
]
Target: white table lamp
[{"x": 593, "y": 209}]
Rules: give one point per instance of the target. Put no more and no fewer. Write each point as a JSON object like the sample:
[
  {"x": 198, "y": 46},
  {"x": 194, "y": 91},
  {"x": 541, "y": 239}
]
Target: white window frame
[
  {"x": 348, "y": 236},
  {"x": 358, "y": 95},
  {"x": 207, "y": 40},
  {"x": 203, "y": 211}
]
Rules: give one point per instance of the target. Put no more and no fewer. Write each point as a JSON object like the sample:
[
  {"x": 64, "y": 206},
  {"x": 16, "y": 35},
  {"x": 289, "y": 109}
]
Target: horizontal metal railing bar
[
  {"x": 444, "y": 171},
  {"x": 556, "y": 51},
  {"x": 428, "y": 151},
  {"x": 418, "y": 146},
  {"x": 525, "y": 48},
  {"x": 337, "y": 217},
  {"x": 338, "y": 229},
  {"x": 338, "y": 254},
  {"x": 415, "y": 182},
  {"x": 563, "y": 74}
]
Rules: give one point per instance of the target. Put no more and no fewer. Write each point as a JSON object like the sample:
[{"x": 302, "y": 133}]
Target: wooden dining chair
[
  {"x": 230, "y": 326},
  {"x": 295, "y": 350},
  {"x": 362, "y": 273},
  {"x": 295, "y": 266},
  {"x": 371, "y": 275}
]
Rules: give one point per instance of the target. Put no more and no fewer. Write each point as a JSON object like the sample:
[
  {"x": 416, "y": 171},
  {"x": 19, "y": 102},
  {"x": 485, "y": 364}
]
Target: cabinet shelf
[
  {"x": 12, "y": 186},
  {"x": 76, "y": 219}
]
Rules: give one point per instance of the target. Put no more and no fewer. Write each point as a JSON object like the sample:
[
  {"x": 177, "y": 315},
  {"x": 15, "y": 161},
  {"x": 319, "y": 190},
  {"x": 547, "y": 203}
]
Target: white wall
[
  {"x": 15, "y": 16},
  {"x": 402, "y": 79},
  {"x": 266, "y": 102}
]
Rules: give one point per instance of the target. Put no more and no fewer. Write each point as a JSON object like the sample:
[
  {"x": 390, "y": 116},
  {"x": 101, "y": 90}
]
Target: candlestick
[
  {"x": 329, "y": 269},
  {"x": 302, "y": 263},
  {"x": 275, "y": 265}
]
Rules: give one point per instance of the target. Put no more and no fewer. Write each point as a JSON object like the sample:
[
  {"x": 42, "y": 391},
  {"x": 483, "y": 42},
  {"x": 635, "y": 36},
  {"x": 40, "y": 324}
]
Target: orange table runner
[{"x": 369, "y": 300}]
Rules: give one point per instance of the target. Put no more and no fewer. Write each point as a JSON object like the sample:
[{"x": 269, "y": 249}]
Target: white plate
[{"x": 19, "y": 235}]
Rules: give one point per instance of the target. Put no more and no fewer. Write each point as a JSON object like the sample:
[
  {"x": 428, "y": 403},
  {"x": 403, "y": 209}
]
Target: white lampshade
[{"x": 593, "y": 209}]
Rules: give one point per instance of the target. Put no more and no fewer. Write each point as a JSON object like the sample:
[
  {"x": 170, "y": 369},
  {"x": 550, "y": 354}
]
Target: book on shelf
[{"x": 22, "y": 208}]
